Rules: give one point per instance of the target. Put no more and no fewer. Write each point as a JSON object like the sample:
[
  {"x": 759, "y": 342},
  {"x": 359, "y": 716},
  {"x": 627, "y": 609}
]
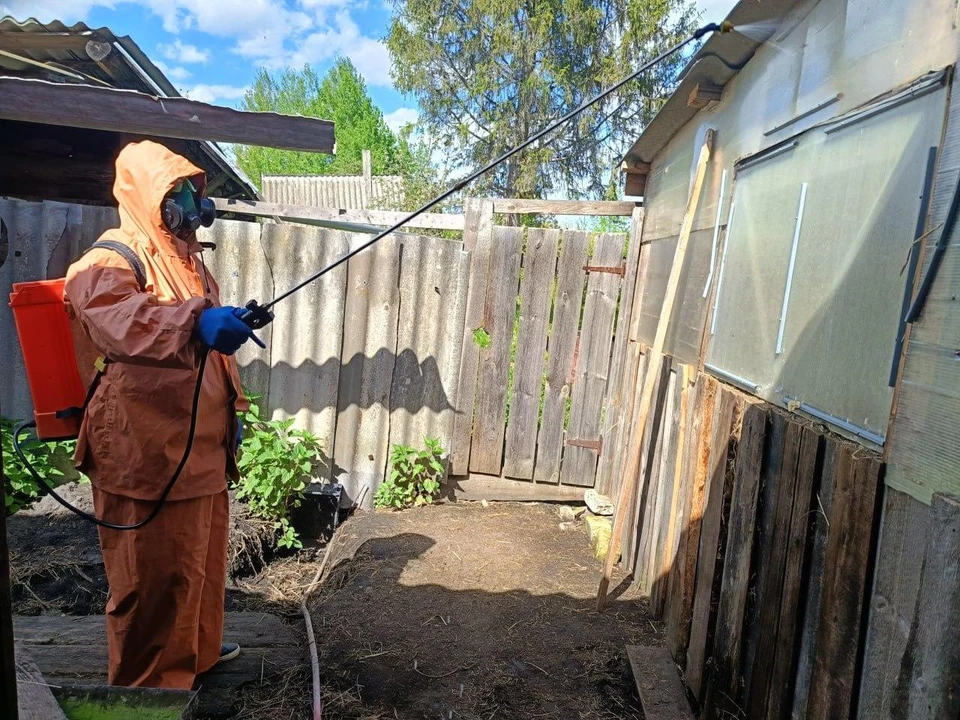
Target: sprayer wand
[{"x": 258, "y": 316}]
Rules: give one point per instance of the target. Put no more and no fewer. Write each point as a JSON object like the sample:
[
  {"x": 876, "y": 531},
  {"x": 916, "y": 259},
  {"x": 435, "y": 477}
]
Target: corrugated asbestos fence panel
[
  {"x": 433, "y": 293},
  {"x": 240, "y": 267},
  {"x": 539, "y": 270},
  {"x": 335, "y": 191},
  {"x": 368, "y": 360},
  {"x": 308, "y": 329},
  {"x": 590, "y": 383},
  {"x": 41, "y": 240},
  {"x": 561, "y": 354},
  {"x": 498, "y": 319}
]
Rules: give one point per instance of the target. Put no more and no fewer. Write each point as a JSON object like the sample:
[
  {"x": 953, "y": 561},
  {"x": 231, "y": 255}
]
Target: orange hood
[{"x": 146, "y": 172}]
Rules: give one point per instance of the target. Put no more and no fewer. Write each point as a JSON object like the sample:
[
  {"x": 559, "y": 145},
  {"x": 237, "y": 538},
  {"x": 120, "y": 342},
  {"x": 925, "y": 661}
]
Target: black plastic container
[{"x": 319, "y": 511}]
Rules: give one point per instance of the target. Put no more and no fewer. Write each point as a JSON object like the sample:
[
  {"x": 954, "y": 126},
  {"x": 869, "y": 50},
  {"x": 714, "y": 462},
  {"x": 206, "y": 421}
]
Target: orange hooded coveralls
[{"x": 167, "y": 579}]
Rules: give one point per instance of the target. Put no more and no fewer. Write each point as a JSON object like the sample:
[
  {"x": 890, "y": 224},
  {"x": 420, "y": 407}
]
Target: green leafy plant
[
  {"x": 51, "y": 460},
  {"x": 415, "y": 476},
  {"x": 481, "y": 337},
  {"x": 275, "y": 459}
]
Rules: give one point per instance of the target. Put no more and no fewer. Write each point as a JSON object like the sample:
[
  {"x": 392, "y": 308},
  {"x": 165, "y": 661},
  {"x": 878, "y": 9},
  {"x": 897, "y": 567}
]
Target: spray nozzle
[{"x": 723, "y": 27}]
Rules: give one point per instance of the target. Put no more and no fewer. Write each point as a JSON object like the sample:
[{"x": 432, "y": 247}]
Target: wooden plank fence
[
  {"x": 763, "y": 580},
  {"x": 539, "y": 375}
]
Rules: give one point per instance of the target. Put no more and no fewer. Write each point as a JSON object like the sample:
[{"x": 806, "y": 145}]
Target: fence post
[
  {"x": 8, "y": 688},
  {"x": 477, "y": 239}
]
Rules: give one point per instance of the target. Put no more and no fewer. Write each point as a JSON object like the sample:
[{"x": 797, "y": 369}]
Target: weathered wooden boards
[
  {"x": 535, "y": 371},
  {"x": 763, "y": 587},
  {"x": 34, "y": 698},
  {"x": 662, "y": 694},
  {"x": 72, "y": 650}
]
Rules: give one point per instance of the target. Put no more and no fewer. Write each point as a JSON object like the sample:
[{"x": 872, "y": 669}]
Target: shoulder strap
[{"x": 136, "y": 264}]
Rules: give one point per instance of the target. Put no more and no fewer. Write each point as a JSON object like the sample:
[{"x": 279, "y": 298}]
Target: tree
[
  {"x": 489, "y": 73},
  {"x": 341, "y": 96}
]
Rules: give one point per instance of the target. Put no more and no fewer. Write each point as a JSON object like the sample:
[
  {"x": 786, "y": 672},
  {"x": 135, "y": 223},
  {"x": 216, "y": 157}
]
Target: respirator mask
[{"x": 181, "y": 213}]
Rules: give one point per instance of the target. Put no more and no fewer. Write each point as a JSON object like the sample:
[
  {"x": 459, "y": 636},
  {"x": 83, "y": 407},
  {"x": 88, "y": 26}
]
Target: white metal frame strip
[
  {"x": 716, "y": 234},
  {"x": 790, "y": 268}
]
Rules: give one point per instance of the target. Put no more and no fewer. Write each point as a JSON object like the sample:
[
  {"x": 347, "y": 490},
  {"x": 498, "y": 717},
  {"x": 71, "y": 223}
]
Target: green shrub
[
  {"x": 274, "y": 461},
  {"x": 52, "y": 461},
  {"x": 415, "y": 476}
]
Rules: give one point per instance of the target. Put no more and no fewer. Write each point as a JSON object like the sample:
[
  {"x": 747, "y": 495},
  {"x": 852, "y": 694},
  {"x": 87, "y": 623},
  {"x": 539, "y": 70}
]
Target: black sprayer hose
[
  {"x": 166, "y": 490},
  {"x": 712, "y": 27}
]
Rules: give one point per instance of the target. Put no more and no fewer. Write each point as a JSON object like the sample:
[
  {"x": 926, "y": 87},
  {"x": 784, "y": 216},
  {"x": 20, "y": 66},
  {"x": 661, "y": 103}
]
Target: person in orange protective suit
[{"x": 167, "y": 579}]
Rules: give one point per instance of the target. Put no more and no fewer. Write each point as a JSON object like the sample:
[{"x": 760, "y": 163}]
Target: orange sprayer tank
[{"x": 43, "y": 327}]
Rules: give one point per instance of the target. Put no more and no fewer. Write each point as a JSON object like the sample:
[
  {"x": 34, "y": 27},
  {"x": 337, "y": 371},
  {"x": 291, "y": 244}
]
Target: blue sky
[{"x": 210, "y": 49}]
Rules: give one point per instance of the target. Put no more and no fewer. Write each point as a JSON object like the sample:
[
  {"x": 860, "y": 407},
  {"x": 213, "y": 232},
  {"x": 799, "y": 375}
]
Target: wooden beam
[
  {"x": 495, "y": 488},
  {"x": 15, "y": 40},
  {"x": 635, "y": 183},
  {"x": 661, "y": 691},
  {"x": 294, "y": 213},
  {"x": 653, "y": 361},
  {"x": 704, "y": 94},
  {"x": 127, "y": 111},
  {"x": 565, "y": 207},
  {"x": 36, "y": 701}
]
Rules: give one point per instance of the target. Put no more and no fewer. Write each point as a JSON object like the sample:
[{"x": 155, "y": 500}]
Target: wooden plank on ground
[
  {"x": 561, "y": 353},
  {"x": 34, "y": 699},
  {"x": 135, "y": 113},
  {"x": 579, "y": 465},
  {"x": 499, "y": 313},
  {"x": 935, "y": 657},
  {"x": 603, "y": 208},
  {"x": 684, "y": 572},
  {"x": 665, "y": 480},
  {"x": 308, "y": 331},
  {"x": 539, "y": 270},
  {"x": 844, "y": 584},
  {"x": 796, "y": 570},
  {"x": 486, "y": 487},
  {"x": 368, "y": 359},
  {"x": 477, "y": 239},
  {"x": 893, "y": 604},
  {"x": 809, "y": 612},
  {"x": 708, "y": 556},
  {"x": 73, "y": 650},
  {"x": 615, "y": 420},
  {"x": 661, "y": 691},
  {"x": 627, "y": 488},
  {"x": 735, "y": 584},
  {"x": 772, "y": 583}
]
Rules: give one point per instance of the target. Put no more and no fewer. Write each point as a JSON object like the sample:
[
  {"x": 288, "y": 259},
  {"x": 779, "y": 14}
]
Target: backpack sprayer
[{"x": 45, "y": 337}]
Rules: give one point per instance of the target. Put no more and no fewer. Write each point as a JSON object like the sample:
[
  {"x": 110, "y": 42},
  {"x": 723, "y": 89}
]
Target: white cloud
[
  {"x": 69, "y": 11},
  {"x": 173, "y": 73},
  {"x": 203, "y": 92},
  {"x": 400, "y": 118},
  {"x": 178, "y": 51},
  {"x": 343, "y": 37}
]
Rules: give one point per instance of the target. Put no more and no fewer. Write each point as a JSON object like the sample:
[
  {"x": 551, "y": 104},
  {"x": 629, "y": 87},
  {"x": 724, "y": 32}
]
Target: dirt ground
[{"x": 454, "y": 611}]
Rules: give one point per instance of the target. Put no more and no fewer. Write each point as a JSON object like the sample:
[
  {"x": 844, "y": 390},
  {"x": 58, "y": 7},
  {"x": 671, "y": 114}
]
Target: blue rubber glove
[{"x": 222, "y": 330}]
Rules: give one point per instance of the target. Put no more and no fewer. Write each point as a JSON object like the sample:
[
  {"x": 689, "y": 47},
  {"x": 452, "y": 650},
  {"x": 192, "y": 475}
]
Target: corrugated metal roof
[
  {"x": 351, "y": 192},
  {"x": 716, "y": 62},
  {"x": 97, "y": 56}
]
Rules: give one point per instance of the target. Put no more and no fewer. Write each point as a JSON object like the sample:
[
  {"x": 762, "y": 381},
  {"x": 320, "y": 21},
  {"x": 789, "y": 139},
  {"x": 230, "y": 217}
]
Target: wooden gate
[{"x": 544, "y": 338}]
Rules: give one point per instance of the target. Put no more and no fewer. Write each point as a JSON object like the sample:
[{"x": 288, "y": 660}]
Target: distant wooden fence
[{"x": 545, "y": 327}]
